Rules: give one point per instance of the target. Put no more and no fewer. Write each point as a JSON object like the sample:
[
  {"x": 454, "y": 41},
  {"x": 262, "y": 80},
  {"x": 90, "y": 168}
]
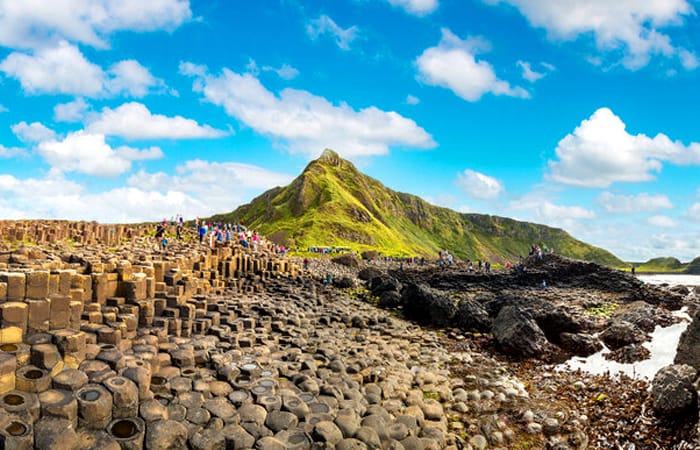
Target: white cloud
[
  {"x": 129, "y": 77},
  {"x": 90, "y": 154},
  {"x": 199, "y": 188},
  {"x": 63, "y": 69},
  {"x": 33, "y": 23},
  {"x": 11, "y": 152},
  {"x": 549, "y": 210},
  {"x": 530, "y": 74},
  {"x": 343, "y": 37},
  {"x": 32, "y": 133},
  {"x": 478, "y": 185},
  {"x": 416, "y": 7},
  {"x": 600, "y": 152},
  {"x": 134, "y": 121},
  {"x": 453, "y": 65},
  {"x": 71, "y": 112},
  {"x": 412, "y": 100},
  {"x": 643, "y": 202},
  {"x": 55, "y": 70},
  {"x": 689, "y": 60},
  {"x": 307, "y": 123},
  {"x": 630, "y": 26},
  {"x": 286, "y": 72},
  {"x": 3, "y": 109},
  {"x": 693, "y": 212},
  {"x": 661, "y": 221}
]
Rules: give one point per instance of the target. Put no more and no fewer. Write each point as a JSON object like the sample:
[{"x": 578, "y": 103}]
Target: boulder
[
  {"x": 688, "y": 351},
  {"x": 347, "y": 260},
  {"x": 427, "y": 306},
  {"x": 643, "y": 315},
  {"x": 621, "y": 333},
  {"x": 579, "y": 344},
  {"x": 368, "y": 273},
  {"x": 389, "y": 299},
  {"x": 384, "y": 283},
  {"x": 673, "y": 391},
  {"x": 471, "y": 316},
  {"x": 517, "y": 334},
  {"x": 344, "y": 282}
]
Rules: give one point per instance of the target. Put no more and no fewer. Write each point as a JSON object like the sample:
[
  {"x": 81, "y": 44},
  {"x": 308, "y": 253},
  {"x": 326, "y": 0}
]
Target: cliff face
[{"x": 332, "y": 204}]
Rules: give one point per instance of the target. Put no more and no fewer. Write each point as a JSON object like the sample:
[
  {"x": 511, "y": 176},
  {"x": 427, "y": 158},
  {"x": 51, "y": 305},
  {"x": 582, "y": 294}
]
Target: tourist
[{"x": 164, "y": 244}]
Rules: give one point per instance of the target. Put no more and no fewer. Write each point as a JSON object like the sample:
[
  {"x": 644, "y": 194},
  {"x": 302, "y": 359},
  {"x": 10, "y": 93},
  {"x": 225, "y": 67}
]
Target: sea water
[{"x": 662, "y": 347}]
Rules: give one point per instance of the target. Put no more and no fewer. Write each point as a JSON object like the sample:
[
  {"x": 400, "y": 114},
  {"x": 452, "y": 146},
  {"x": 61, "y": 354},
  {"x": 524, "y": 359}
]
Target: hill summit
[{"x": 333, "y": 204}]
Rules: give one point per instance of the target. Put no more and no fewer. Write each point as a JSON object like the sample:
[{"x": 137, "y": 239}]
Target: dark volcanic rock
[
  {"x": 579, "y": 344},
  {"x": 629, "y": 354},
  {"x": 344, "y": 282},
  {"x": 368, "y": 273},
  {"x": 517, "y": 334},
  {"x": 673, "y": 391},
  {"x": 621, "y": 333},
  {"x": 427, "y": 306},
  {"x": 689, "y": 344},
  {"x": 640, "y": 314},
  {"x": 384, "y": 283},
  {"x": 472, "y": 316},
  {"x": 389, "y": 299},
  {"x": 348, "y": 260}
]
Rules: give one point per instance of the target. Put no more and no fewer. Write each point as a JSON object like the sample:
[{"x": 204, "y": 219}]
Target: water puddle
[{"x": 663, "y": 344}]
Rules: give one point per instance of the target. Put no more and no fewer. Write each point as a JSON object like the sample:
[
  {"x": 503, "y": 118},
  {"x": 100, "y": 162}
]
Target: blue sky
[{"x": 581, "y": 114}]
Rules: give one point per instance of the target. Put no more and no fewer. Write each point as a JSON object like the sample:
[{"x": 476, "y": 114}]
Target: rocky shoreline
[{"x": 229, "y": 349}]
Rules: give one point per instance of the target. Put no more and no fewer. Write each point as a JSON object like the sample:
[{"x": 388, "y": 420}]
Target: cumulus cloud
[
  {"x": 643, "y": 202},
  {"x": 63, "y": 69},
  {"x": 416, "y": 7},
  {"x": 129, "y": 77},
  {"x": 90, "y": 154},
  {"x": 600, "y": 152},
  {"x": 71, "y": 112},
  {"x": 197, "y": 188},
  {"x": 134, "y": 121},
  {"x": 33, "y": 24},
  {"x": 32, "y": 133},
  {"x": 343, "y": 37},
  {"x": 693, "y": 212},
  {"x": 453, "y": 65},
  {"x": 55, "y": 70},
  {"x": 631, "y": 27},
  {"x": 478, "y": 185},
  {"x": 304, "y": 122},
  {"x": 661, "y": 222},
  {"x": 11, "y": 152}
]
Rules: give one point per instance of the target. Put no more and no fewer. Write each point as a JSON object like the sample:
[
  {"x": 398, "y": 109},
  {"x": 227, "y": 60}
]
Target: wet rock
[
  {"x": 517, "y": 334},
  {"x": 689, "y": 344},
  {"x": 579, "y": 344},
  {"x": 621, "y": 333},
  {"x": 673, "y": 391}
]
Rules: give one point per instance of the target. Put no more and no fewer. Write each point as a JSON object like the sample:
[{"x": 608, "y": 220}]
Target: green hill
[
  {"x": 668, "y": 264},
  {"x": 332, "y": 204}
]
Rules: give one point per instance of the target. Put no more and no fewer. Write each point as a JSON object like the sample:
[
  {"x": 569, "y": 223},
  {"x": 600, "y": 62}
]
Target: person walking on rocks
[{"x": 164, "y": 244}]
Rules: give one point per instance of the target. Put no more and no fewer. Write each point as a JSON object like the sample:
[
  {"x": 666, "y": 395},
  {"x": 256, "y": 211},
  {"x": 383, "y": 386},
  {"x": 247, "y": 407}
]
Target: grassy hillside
[
  {"x": 332, "y": 204},
  {"x": 662, "y": 265}
]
